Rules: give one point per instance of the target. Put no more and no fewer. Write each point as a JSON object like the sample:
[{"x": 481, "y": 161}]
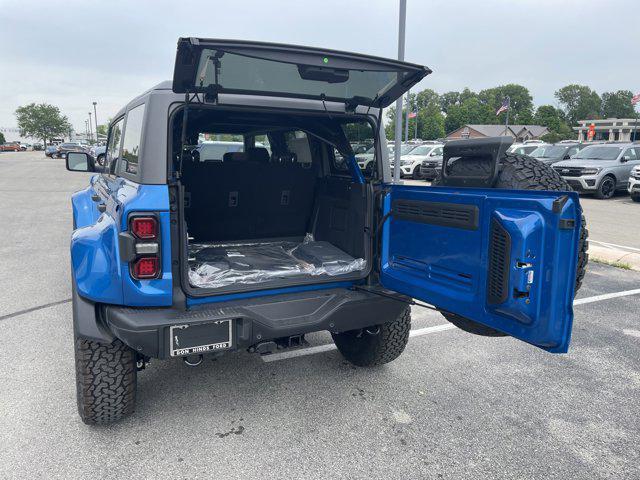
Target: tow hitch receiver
[{"x": 271, "y": 346}]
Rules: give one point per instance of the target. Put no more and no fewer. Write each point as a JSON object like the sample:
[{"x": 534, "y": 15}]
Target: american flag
[
  {"x": 504, "y": 107},
  {"x": 635, "y": 99},
  {"x": 413, "y": 114}
]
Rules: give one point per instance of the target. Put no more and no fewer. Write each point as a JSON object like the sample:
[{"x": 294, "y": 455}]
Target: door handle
[
  {"x": 95, "y": 197},
  {"x": 102, "y": 207}
]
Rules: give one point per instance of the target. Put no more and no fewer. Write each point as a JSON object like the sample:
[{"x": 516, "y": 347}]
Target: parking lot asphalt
[{"x": 453, "y": 405}]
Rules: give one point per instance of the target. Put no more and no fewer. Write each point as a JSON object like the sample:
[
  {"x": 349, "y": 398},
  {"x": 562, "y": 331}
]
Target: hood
[{"x": 583, "y": 162}]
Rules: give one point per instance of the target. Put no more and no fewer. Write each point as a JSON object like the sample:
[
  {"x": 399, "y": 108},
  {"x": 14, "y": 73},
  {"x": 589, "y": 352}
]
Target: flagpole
[
  {"x": 506, "y": 121},
  {"x": 406, "y": 120}
]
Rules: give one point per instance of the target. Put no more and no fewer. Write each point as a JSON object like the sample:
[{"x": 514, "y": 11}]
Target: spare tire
[{"x": 518, "y": 172}]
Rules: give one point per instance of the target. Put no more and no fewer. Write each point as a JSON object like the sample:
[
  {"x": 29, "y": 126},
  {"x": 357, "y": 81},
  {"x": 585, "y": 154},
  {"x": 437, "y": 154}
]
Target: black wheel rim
[{"x": 607, "y": 188}]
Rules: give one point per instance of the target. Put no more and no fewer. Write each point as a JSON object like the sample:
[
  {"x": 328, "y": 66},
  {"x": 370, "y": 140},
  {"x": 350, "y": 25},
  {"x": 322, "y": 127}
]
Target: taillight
[
  {"x": 144, "y": 227},
  {"x": 145, "y": 235},
  {"x": 146, "y": 267}
]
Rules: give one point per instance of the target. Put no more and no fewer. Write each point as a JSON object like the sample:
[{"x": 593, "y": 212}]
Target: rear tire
[
  {"x": 375, "y": 345},
  {"x": 106, "y": 378},
  {"x": 521, "y": 172},
  {"x": 100, "y": 160},
  {"x": 635, "y": 198}
]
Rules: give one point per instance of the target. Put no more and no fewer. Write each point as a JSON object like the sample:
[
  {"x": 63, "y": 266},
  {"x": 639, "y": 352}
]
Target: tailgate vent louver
[
  {"x": 437, "y": 213},
  {"x": 499, "y": 261}
]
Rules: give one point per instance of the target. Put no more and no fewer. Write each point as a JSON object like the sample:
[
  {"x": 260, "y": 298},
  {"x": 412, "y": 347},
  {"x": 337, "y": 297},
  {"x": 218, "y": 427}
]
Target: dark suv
[{"x": 177, "y": 256}]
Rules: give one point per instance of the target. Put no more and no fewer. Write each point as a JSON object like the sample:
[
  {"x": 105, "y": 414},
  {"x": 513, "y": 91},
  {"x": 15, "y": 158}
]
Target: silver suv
[{"x": 600, "y": 169}]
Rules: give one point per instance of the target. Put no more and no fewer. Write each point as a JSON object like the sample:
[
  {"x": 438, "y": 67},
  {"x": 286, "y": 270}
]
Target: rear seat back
[{"x": 247, "y": 197}]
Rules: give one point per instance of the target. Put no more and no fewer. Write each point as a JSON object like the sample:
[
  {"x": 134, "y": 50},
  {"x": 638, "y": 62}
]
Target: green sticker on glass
[{"x": 325, "y": 59}]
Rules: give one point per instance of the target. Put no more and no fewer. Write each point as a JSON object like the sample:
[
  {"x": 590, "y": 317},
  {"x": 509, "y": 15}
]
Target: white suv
[
  {"x": 634, "y": 184},
  {"x": 411, "y": 162}
]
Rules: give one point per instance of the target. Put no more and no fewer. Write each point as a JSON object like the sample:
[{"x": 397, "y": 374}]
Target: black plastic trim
[{"x": 445, "y": 214}]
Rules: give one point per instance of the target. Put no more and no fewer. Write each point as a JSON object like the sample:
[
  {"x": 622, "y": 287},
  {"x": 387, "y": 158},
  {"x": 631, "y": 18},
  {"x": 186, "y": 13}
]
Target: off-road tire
[
  {"x": 605, "y": 190},
  {"x": 520, "y": 172},
  {"x": 375, "y": 345},
  {"x": 106, "y": 378}
]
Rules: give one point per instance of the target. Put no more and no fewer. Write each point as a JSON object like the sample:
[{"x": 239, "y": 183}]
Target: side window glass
[
  {"x": 633, "y": 153},
  {"x": 113, "y": 147},
  {"x": 360, "y": 135},
  {"x": 298, "y": 144},
  {"x": 131, "y": 142}
]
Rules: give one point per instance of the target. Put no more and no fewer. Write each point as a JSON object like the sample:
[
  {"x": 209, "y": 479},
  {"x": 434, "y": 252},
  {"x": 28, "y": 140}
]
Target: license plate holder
[{"x": 197, "y": 338}]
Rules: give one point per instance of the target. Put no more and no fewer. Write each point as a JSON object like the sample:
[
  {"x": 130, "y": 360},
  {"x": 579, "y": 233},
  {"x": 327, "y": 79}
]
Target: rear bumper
[{"x": 256, "y": 320}]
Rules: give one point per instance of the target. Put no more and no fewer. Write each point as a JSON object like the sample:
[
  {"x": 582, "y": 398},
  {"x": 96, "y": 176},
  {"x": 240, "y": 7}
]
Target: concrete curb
[{"x": 610, "y": 254}]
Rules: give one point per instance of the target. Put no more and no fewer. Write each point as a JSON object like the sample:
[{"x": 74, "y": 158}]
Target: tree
[
  {"x": 470, "y": 111},
  {"x": 41, "y": 121},
  {"x": 617, "y": 104},
  {"x": 448, "y": 100},
  {"x": 2, "y": 139},
  {"x": 553, "y": 119},
  {"x": 430, "y": 122},
  {"x": 579, "y": 103},
  {"x": 103, "y": 129},
  {"x": 520, "y": 106}
]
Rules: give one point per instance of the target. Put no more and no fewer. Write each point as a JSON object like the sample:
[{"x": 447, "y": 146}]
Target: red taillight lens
[
  {"x": 146, "y": 267},
  {"x": 144, "y": 227}
]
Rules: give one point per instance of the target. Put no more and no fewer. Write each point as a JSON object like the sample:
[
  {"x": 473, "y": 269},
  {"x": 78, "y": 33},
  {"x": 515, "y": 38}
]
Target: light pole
[
  {"x": 95, "y": 119},
  {"x": 90, "y": 129},
  {"x": 401, "y": 27}
]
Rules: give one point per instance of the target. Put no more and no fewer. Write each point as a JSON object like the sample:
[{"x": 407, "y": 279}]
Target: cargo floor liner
[{"x": 215, "y": 265}]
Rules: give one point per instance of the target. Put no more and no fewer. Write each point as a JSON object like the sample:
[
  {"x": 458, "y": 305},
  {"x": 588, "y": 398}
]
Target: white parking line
[
  {"x": 274, "y": 357},
  {"x": 606, "y": 244},
  {"x": 633, "y": 333},
  {"x": 606, "y": 296}
]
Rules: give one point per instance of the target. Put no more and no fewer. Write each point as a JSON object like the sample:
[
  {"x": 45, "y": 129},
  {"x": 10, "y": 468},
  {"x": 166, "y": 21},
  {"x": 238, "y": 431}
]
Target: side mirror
[
  {"x": 567, "y": 157},
  {"x": 625, "y": 159},
  {"x": 80, "y": 162}
]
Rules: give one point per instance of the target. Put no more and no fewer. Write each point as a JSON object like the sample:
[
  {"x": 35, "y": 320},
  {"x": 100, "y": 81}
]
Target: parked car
[
  {"x": 634, "y": 184},
  {"x": 600, "y": 169},
  {"x": 38, "y": 146},
  {"x": 51, "y": 151},
  {"x": 431, "y": 167},
  {"x": 173, "y": 258},
  {"x": 554, "y": 153},
  {"x": 98, "y": 153},
  {"x": 10, "y": 147},
  {"x": 64, "y": 148},
  {"x": 523, "y": 149},
  {"x": 410, "y": 163}
]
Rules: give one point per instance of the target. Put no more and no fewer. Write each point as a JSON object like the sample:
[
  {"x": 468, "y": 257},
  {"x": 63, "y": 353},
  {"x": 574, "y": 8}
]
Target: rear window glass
[
  {"x": 251, "y": 74},
  {"x": 213, "y": 151},
  {"x": 131, "y": 143}
]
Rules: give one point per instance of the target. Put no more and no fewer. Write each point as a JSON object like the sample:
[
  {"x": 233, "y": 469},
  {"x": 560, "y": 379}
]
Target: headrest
[
  {"x": 258, "y": 154},
  {"x": 234, "y": 157}
]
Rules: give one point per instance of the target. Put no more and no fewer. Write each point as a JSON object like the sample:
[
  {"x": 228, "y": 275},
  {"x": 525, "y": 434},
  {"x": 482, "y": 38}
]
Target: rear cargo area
[{"x": 272, "y": 214}]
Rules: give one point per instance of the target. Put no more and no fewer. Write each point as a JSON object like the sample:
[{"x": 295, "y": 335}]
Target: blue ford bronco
[{"x": 231, "y": 214}]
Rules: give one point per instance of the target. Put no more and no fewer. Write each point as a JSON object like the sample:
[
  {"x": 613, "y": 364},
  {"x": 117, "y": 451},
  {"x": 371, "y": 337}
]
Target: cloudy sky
[{"x": 70, "y": 53}]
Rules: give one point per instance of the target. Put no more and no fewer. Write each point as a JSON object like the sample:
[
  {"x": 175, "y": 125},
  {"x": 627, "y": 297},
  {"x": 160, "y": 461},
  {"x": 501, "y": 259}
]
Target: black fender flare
[{"x": 86, "y": 321}]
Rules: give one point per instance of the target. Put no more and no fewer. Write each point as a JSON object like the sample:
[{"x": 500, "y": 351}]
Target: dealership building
[
  {"x": 520, "y": 133},
  {"x": 612, "y": 129}
]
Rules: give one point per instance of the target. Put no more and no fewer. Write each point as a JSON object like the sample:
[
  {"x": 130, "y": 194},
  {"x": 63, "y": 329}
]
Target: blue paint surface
[
  {"x": 448, "y": 267},
  {"x": 99, "y": 273}
]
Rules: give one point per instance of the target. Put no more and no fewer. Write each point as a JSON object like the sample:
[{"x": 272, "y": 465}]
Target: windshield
[
  {"x": 599, "y": 153},
  {"x": 422, "y": 150},
  {"x": 549, "y": 152}
]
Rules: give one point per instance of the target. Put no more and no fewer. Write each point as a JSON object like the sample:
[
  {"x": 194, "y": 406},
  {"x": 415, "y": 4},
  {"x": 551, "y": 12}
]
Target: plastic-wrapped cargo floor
[{"x": 219, "y": 265}]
